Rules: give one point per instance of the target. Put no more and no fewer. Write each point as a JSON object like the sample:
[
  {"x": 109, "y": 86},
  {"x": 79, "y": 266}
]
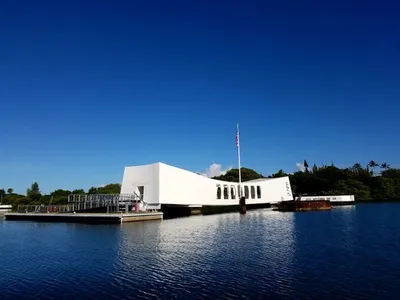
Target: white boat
[{"x": 333, "y": 199}]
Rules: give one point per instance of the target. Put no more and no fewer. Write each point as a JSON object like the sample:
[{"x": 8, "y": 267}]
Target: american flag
[{"x": 237, "y": 136}]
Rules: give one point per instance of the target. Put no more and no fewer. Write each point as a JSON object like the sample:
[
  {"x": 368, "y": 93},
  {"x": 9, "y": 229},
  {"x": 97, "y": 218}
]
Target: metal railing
[
  {"x": 44, "y": 208},
  {"x": 112, "y": 203},
  {"x": 104, "y": 198}
]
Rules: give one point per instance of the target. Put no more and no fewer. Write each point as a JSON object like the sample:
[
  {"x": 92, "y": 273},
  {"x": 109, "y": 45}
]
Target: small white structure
[
  {"x": 343, "y": 199},
  {"x": 158, "y": 184},
  {"x": 5, "y": 208}
]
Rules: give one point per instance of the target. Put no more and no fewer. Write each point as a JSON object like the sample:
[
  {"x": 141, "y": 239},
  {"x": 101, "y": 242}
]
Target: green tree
[
  {"x": 112, "y": 188},
  {"x": 78, "y": 191},
  {"x": 10, "y": 191},
  {"x": 385, "y": 166},
  {"x": 383, "y": 188},
  {"x": 60, "y": 192},
  {"x": 305, "y": 165},
  {"x": 14, "y": 199},
  {"x": 46, "y": 199},
  {"x": 280, "y": 173},
  {"x": 93, "y": 190},
  {"x": 372, "y": 164},
  {"x": 357, "y": 168},
  {"x": 233, "y": 175},
  {"x": 58, "y": 196},
  {"x": 2, "y": 193},
  {"x": 391, "y": 173},
  {"x": 352, "y": 187},
  {"x": 33, "y": 193}
]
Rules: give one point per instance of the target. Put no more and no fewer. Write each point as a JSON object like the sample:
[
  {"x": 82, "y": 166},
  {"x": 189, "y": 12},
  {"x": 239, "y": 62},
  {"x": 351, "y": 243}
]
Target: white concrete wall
[
  {"x": 274, "y": 189},
  {"x": 147, "y": 176},
  {"x": 183, "y": 187}
]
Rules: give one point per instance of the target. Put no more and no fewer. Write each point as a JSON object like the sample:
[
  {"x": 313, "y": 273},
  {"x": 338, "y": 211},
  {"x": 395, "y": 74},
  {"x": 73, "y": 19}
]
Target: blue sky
[{"x": 88, "y": 88}]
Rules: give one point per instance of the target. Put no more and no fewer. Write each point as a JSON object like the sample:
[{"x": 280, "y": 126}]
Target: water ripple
[{"x": 348, "y": 253}]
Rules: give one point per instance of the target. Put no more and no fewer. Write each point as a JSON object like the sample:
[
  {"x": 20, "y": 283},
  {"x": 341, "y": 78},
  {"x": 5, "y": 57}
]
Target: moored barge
[{"x": 304, "y": 205}]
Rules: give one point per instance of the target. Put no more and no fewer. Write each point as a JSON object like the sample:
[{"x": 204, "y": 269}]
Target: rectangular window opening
[
  {"x": 233, "y": 192},
  {"x": 253, "y": 192},
  {"x": 258, "y": 192},
  {"x": 246, "y": 192},
  {"x": 226, "y": 196},
  {"x": 218, "y": 191}
]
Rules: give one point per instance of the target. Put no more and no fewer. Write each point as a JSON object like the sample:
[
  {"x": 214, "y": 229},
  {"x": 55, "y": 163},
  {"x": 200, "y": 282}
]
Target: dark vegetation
[
  {"x": 34, "y": 196},
  {"x": 372, "y": 182}
]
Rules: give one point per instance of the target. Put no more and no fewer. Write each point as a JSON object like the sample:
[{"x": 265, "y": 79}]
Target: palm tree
[
  {"x": 305, "y": 164},
  {"x": 385, "y": 166},
  {"x": 280, "y": 173},
  {"x": 373, "y": 164},
  {"x": 357, "y": 167}
]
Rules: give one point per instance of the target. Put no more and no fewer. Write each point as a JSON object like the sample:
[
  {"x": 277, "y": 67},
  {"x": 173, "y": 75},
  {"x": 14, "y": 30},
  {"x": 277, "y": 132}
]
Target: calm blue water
[{"x": 347, "y": 253}]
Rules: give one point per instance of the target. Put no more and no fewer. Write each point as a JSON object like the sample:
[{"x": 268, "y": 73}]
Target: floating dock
[{"x": 90, "y": 218}]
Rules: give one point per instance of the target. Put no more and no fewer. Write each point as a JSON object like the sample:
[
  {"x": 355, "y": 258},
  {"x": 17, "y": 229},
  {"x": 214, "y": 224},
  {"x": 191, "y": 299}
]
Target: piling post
[{"x": 242, "y": 205}]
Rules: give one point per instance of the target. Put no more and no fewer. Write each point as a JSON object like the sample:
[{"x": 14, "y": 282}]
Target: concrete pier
[{"x": 90, "y": 218}]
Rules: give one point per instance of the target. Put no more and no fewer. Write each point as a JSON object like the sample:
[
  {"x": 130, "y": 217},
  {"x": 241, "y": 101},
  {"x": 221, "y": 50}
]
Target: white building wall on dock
[
  {"x": 274, "y": 189},
  {"x": 146, "y": 176},
  {"x": 182, "y": 187}
]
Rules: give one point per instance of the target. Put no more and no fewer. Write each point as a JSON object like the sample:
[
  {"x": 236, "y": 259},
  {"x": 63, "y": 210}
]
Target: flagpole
[{"x": 238, "y": 150}]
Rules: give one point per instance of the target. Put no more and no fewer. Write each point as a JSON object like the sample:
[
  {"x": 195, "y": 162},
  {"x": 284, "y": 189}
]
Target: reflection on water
[
  {"x": 347, "y": 253},
  {"x": 205, "y": 253}
]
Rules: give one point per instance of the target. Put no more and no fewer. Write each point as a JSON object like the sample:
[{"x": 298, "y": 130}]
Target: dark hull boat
[{"x": 304, "y": 205}]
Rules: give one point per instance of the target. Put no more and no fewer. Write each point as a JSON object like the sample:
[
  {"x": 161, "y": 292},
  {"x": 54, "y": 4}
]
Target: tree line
[
  {"x": 372, "y": 182},
  {"x": 34, "y": 196}
]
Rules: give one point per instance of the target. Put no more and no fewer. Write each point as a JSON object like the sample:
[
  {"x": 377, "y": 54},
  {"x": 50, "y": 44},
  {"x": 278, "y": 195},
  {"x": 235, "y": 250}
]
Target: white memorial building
[{"x": 161, "y": 184}]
